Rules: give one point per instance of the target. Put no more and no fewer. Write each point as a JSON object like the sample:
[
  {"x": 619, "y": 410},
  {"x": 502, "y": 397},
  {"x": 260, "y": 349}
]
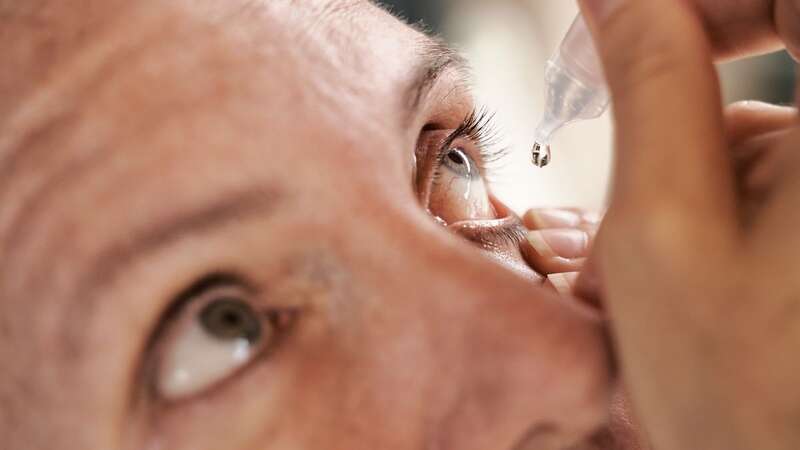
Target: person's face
[{"x": 222, "y": 234}]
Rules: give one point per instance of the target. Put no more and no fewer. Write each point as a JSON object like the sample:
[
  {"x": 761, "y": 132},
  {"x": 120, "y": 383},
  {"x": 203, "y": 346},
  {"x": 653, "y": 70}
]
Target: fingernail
[
  {"x": 552, "y": 218},
  {"x": 567, "y": 243},
  {"x": 563, "y": 282},
  {"x": 600, "y": 10},
  {"x": 593, "y": 217}
]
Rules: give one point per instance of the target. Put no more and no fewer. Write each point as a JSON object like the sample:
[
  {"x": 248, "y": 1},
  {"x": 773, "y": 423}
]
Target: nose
[{"x": 509, "y": 362}]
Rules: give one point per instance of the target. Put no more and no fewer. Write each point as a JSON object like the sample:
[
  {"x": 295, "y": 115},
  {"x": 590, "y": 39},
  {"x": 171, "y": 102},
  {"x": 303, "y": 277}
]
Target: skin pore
[{"x": 169, "y": 169}]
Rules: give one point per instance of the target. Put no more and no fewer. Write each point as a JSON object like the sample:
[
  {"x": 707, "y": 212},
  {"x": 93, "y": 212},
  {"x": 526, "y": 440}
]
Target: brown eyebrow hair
[
  {"x": 230, "y": 208},
  {"x": 437, "y": 58},
  {"x": 106, "y": 267}
]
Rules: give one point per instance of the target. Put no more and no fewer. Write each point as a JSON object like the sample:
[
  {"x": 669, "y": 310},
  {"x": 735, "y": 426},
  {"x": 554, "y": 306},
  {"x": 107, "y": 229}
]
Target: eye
[
  {"x": 213, "y": 335},
  {"x": 458, "y": 190},
  {"x": 452, "y": 167},
  {"x": 230, "y": 320},
  {"x": 458, "y": 161}
]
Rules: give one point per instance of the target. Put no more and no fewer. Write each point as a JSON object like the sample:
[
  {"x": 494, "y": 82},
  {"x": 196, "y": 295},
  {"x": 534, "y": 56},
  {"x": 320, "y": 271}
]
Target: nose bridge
[
  {"x": 451, "y": 278},
  {"x": 513, "y": 354}
]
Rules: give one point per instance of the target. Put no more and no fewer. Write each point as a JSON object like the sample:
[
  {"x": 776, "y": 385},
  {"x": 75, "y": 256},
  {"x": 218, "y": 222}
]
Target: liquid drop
[{"x": 540, "y": 155}]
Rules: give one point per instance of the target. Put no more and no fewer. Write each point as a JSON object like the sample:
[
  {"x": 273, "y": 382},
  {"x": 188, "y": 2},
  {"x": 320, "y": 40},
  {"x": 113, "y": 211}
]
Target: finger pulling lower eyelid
[
  {"x": 563, "y": 282},
  {"x": 592, "y": 218},
  {"x": 551, "y": 218},
  {"x": 564, "y": 243}
]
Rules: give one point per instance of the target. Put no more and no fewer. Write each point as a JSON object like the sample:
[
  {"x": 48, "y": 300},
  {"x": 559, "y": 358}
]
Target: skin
[
  {"x": 146, "y": 146},
  {"x": 235, "y": 120},
  {"x": 697, "y": 266}
]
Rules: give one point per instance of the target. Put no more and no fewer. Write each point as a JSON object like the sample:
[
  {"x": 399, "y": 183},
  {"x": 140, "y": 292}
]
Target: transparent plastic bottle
[{"x": 575, "y": 88}]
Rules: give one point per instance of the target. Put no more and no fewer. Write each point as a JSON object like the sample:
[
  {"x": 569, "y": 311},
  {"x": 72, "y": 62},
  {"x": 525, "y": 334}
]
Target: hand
[
  {"x": 746, "y": 27},
  {"x": 559, "y": 240},
  {"x": 697, "y": 259}
]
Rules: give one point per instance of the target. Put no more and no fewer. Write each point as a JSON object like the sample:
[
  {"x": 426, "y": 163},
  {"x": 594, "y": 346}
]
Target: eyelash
[{"x": 479, "y": 128}]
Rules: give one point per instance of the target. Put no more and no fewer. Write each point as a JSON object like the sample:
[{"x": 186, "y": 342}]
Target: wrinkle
[
  {"x": 51, "y": 116},
  {"x": 136, "y": 245}
]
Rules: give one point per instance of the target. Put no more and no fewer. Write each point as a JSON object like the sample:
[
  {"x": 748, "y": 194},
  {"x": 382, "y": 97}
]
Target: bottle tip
[{"x": 540, "y": 155}]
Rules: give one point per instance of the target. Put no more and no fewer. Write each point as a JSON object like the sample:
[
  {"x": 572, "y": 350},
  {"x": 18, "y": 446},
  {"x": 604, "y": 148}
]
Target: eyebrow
[
  {"x": 228, "y": 209},
  {"x": 437, "y": 58}
]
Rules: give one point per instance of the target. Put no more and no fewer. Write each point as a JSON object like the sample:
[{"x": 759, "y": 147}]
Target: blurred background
[{"x": 507, "y": 43}]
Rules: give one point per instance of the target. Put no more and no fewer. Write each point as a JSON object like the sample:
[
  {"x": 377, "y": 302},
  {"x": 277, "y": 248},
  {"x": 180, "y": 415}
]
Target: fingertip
[
  {"x": 540, "y": 245},
  {"x": 588, "y": 285},
  {"x": 787, "y": 17},
  {"x": 745, "y": 120},
  {"x": 567, "y": 243},
  {"x": 563, "y": 282},
  {"x": 562, "y": 218},
  {"x": 667, "y": 109},
  {"x": 600, "y": 10},
  {"x": 542, "y": 258}
]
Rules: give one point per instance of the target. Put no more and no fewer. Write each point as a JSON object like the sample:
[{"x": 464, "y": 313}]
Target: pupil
[
  {"x": 230, "y": 319},
  {"x": 456, "y": 156}
]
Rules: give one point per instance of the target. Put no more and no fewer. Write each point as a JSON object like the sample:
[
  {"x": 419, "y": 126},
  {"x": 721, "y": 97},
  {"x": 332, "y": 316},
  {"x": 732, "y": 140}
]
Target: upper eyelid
[
  {"x": 477, "y": 126},
  {"x": 479, "y": 129},
  {"x": 215, "y": 280}
]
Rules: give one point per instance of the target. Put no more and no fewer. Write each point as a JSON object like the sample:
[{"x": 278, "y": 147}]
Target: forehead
[
  {"x": 281, "y": 95},
  {"x": 283, "y": 81},
  {"x": 325, "y": 62}
]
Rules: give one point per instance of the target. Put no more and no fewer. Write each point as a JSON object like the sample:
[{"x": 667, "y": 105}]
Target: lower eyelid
[
  {"x": 282, "y": 323},
  {"x": 456, "y": 198},
  {"x": 490, "y": 233},
  {"x": 183, "y": 315}
]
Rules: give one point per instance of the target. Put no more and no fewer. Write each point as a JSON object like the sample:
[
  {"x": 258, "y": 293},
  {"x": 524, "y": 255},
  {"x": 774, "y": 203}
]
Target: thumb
[
  {"x": 667, "y": 108},
  {"x": 673, "y": 199}
]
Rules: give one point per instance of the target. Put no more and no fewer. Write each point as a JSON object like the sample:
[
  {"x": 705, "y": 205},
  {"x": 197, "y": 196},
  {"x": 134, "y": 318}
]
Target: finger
[
  {"x": 589, "y": 284},
  {"x": 749, "y": 119},
  {"x": 760, "y": 165},
  {"x": 673, "y": 213},
  {"x": 758, "y": 162},
  {"x": 557, "y": 250},
  {"x": 779, "y": 248},
  {"x": 787, "y": 23},
  {"x": 754, "y": 130},
  {"x": 748, "y": 27},
  {"x": 545, "y": 218},
  {"x": 670, "y": 135},
  {"x": 562, "y": 282},
  {"x": 756, "y": 158},
  {"x": 766, "y": 160},
  {"x": 569, "y": 243}
]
